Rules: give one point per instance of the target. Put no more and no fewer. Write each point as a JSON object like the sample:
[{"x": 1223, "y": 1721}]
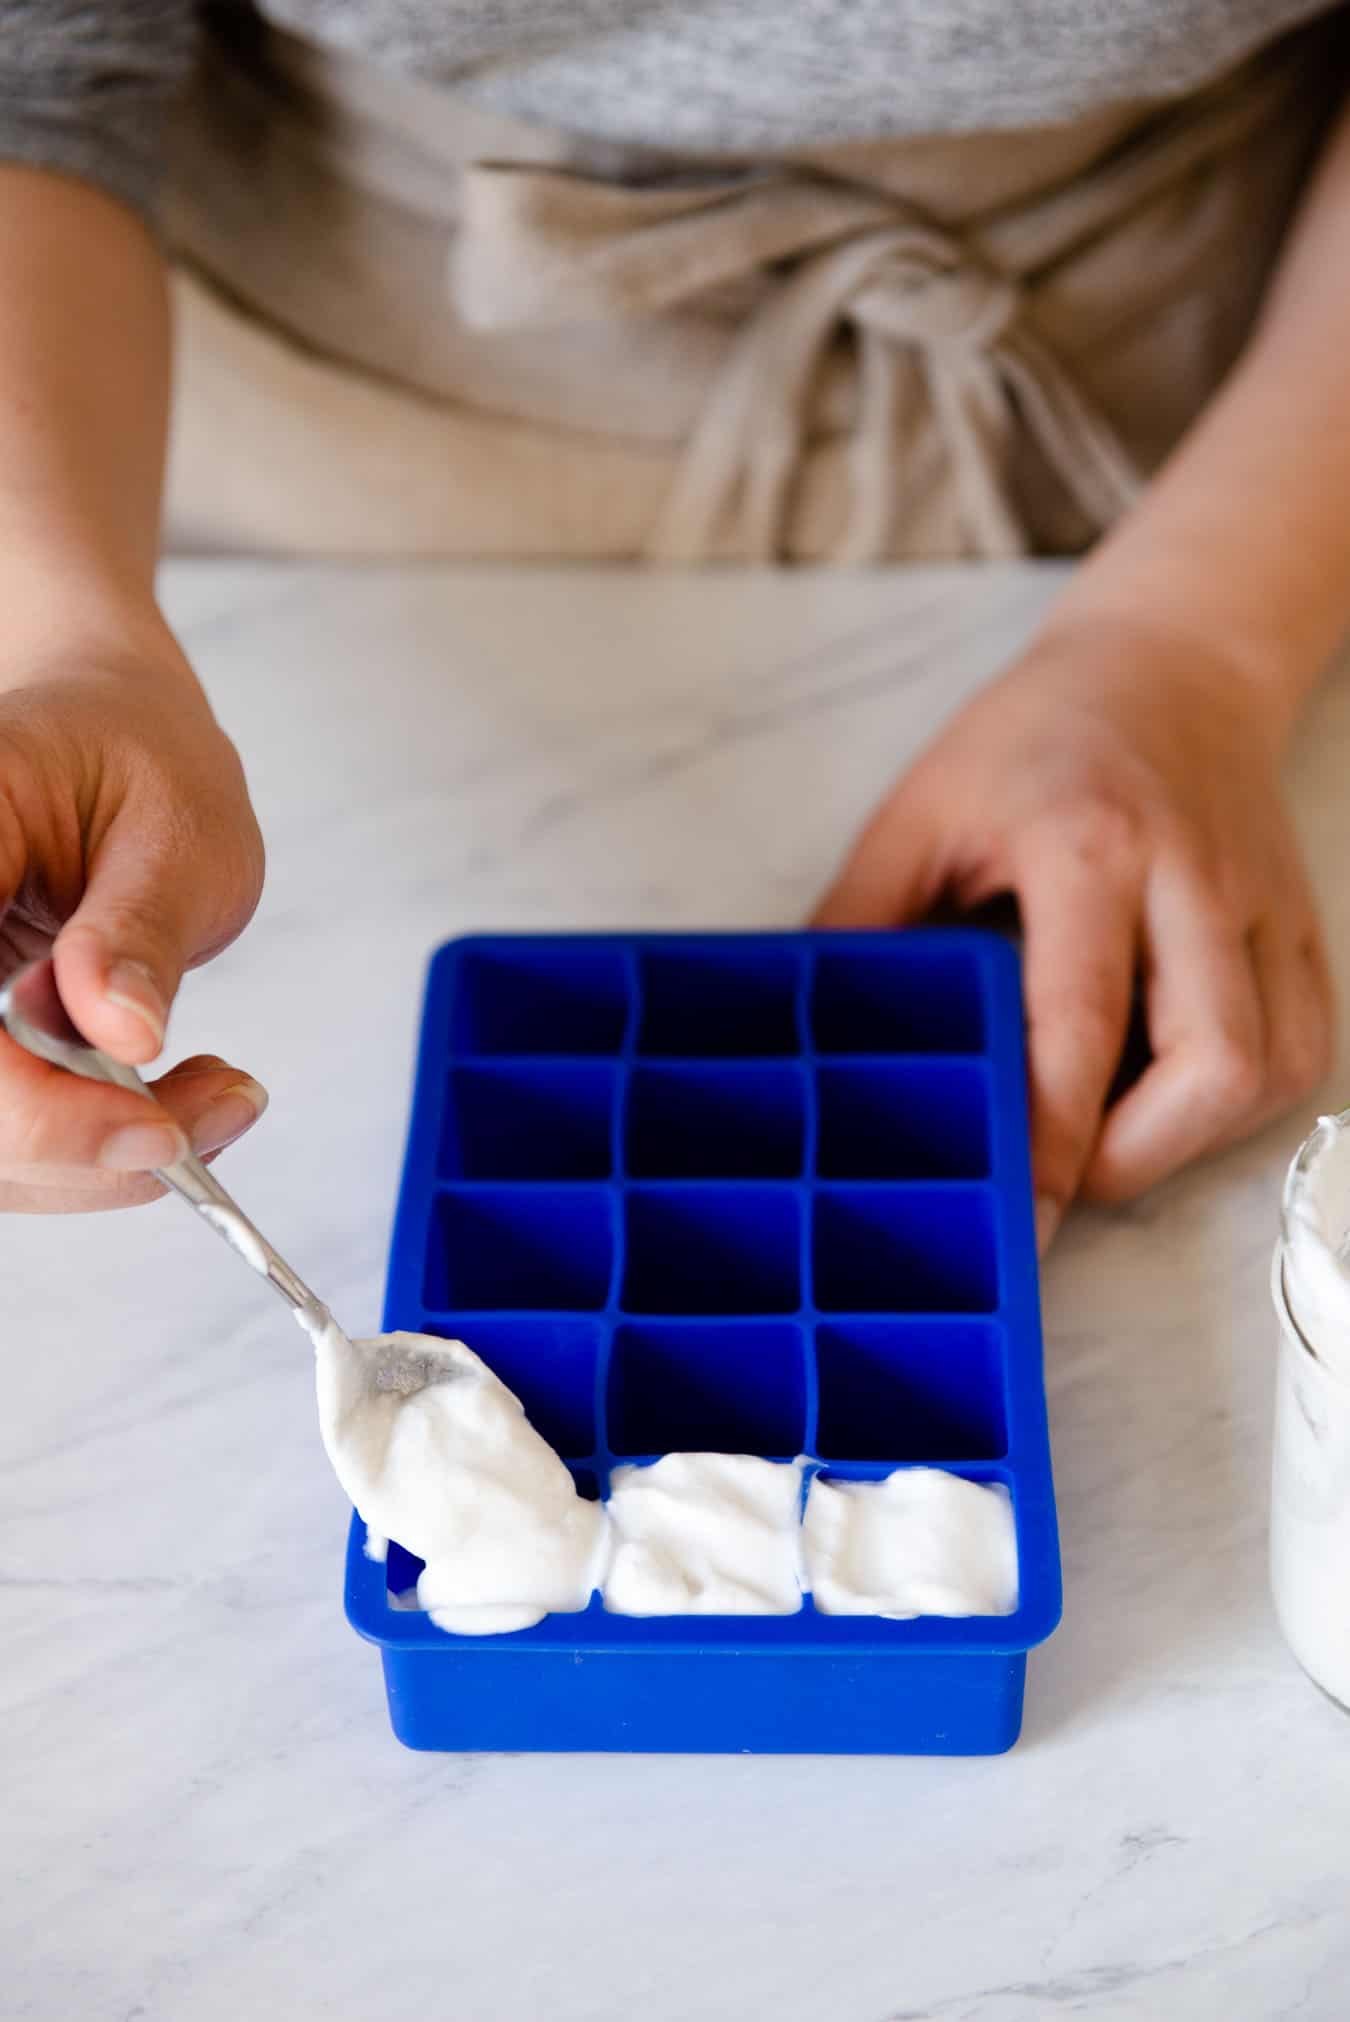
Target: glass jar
[{"x": 1310, "y": 1491}]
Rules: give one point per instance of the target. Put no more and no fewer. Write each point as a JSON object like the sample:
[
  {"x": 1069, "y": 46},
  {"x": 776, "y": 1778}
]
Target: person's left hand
[{"x": 1123, "y": 787}]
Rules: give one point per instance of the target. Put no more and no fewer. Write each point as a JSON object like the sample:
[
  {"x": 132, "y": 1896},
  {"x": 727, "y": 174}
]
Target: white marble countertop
[{"x": 205, "y": 1816}]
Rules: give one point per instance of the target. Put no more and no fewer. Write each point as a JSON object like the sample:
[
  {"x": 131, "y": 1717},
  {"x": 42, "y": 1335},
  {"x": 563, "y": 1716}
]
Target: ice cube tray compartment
[
  {"x": 716, "y": 1122},
  {"x": 501, "y": 1247},
  {"x": 723, "y": 1387},
  {"x": 902, "y": 1120},
  {"x": 741, "y": 1193},
  {"x": 530, "y": 1121},
  {"x": 897, "y": 1000},
  {"x": 712, "y": 1249},
  {"x": 541, "y": 997},
  {"x": 892, "y": 1249},
  {"x": 718, "y": 1003},
  {"x": 929, "y": 1391}
]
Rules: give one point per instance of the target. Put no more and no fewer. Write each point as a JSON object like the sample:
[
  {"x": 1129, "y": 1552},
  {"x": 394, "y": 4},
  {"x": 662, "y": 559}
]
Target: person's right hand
[{"x": 129, "y": 853}]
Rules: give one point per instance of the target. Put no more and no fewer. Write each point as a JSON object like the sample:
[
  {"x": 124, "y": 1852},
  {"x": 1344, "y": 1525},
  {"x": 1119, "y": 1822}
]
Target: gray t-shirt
[{"x": 85, "y": 84}]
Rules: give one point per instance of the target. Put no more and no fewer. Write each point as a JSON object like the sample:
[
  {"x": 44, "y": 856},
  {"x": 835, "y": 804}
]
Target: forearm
[
  {"x": 84, "y": 385},
  {"x": 1242, "y": 543}
]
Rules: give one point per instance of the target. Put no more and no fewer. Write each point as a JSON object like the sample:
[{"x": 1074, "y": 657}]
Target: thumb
[
  {"x": 121, "y": 955},
  {"x": 893, "y": 873}
]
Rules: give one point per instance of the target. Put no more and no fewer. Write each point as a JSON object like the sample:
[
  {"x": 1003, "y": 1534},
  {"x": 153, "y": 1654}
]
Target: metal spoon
[{"x": 33, "y": 1014}]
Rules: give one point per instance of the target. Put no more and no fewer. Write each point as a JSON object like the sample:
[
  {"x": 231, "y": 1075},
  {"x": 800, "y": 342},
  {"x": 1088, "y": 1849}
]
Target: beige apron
[{"x": 408, "y": 328}]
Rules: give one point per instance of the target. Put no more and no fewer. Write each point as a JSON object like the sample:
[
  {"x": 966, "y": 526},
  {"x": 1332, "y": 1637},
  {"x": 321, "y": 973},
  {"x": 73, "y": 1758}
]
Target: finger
[
  {"x": 79, "y": 1192},
  {"x": 1207, "y": 1027},
  {"x": 1081, "y": 937},
  {"x": 61, "y": 1134},
  {"x": 893, "y": 872},
  {"x": 52, "y": 1119},
  {"x": 1294, "y": 981},
  {"x": 121, "y": 955},
  {"x": 212, "y": 1102}
]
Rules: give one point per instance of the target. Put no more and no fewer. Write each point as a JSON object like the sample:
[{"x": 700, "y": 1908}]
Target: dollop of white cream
[
  {"x": 455, "y": 1472},
  {"x": 1316, "y": 1258},
  {"x": 921, "y": 1542},
  {"x": 436, "y": 1452},
  {"x": 705, "y": 1534}
]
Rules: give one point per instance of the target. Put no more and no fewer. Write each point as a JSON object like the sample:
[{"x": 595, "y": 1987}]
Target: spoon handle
[
  {"x": 32, "y": 1012},
  {"x": 199, "y": 1187}
]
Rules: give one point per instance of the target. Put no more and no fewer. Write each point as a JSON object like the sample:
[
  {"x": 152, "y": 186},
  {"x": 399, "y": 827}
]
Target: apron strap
[{"x": 791, "y": 260}]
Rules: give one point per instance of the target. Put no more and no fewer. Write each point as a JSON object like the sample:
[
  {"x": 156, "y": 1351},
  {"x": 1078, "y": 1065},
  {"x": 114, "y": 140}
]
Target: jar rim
[{"x": 1302, "y": 1160}]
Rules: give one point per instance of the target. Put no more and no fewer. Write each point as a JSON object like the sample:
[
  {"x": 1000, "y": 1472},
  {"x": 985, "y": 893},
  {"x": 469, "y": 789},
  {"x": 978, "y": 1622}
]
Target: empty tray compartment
[
  {"x": 719, "y": 1122},
  {"x": 886, "y": 1119},
  {"x": 904, "y": 1249},
  {"x": 520, "y": 1247},
  {"x": 530, "y": 1121},
  {"x": 911, "y": 1390},
  {"x": 925, "y": 998},
  {"x": 712, "y": 1249},
  {"x": 730, "y": 1002},
  {"x": 540, "y": 997},
  {"x": 714, "y": 1386}
]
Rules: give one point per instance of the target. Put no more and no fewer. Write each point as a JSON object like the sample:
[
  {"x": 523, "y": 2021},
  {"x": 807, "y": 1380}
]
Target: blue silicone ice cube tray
[{"x": 763, "y": 1194}]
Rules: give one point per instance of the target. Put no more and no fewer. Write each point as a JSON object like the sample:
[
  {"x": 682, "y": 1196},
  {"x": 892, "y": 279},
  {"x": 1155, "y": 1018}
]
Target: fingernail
[
  {"x": 1049, "y": 1215},
  {"x": 229, "y": 1116},
  {"x": 132, "y": 988},
  {"x": 142, "y": 1147}
]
